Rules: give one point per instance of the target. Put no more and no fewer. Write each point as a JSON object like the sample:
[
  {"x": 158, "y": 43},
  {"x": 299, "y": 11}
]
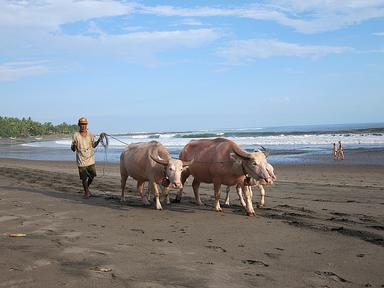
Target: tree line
[{"x": 15, "y": 127}]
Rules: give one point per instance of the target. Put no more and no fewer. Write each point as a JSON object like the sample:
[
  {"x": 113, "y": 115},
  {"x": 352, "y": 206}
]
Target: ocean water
[{"x": 286, "y": 144}]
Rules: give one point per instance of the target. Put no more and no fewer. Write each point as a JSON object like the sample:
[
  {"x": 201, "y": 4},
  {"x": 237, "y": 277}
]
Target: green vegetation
[{"x": 15, "y": 127}]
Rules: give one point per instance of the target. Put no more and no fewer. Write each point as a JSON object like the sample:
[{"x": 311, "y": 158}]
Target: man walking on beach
[{"x": 83, "y": 143}]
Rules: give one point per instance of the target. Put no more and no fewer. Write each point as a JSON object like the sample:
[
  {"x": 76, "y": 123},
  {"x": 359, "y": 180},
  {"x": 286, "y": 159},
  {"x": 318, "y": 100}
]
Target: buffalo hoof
[
  {"x": 146, "y": 201},
  {"x": 176, "y": 200},
  {"x": 218, "y": 210},
  {"x": 250, "y": 213},
  {"x": 260, "y": 206}
]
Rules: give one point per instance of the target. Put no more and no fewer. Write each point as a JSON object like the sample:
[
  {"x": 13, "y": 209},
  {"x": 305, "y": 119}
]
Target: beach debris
[
  {"x": 101, "y": 269},
  {"x": 17, "y": 234}
]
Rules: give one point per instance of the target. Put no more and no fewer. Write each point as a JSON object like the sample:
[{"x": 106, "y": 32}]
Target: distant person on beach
[
  {"x": 334, "y": 151},
  {"x": 340, "y": 152},
  {"x": 83, "y": 144}
]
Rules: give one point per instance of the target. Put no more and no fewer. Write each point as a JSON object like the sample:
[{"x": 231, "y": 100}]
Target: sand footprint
[
  {"x": 331, "y": 275},
  {"x": 252, "y": 262},
  {"x": 272, "y": 255},
  {"x": 216, "y": 248},
  {"x": 158, "y": 240},
  {"x": 138, "y": 230}
]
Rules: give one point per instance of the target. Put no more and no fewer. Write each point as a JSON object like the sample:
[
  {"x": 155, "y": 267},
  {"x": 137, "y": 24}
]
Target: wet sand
[{"x": 322, "y": 226}]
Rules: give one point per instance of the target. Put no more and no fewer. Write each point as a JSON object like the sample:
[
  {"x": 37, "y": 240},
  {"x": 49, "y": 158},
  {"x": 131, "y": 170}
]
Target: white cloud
[
  {"x": 163, "y": 10},
  {"x": 380, "y": 50},
  {"x": 191, "y": 22},
  {"x": 306, "y": 16},
  {"x": 135, "y": 47},
  {"x": 50, "y": 14},
  {"x": 16, "y": 70},
  {"x": 378, "y": 34},
  {"x": 249, "y": 50},
  {"x": 31, "y": 27},
  {"x": 319, "y": 16}
]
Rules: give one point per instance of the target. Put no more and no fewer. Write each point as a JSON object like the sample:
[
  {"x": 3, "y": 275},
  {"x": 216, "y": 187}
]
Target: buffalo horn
[
  {"x": 265, "y": 151},
  {"x": 160, "y": 161},
  {"x": 187, "y": 163},
  {"x": 241, "y": 153}
]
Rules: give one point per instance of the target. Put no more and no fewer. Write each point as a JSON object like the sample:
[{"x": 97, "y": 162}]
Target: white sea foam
[{"x": 170, "y": 140}]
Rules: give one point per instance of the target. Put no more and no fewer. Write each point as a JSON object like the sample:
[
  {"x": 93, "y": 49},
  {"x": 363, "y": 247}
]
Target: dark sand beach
[{"x": 323, "y": 226}]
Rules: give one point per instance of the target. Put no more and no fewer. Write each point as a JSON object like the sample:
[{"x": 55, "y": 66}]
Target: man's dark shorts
[{"x": 87, "y": 171}]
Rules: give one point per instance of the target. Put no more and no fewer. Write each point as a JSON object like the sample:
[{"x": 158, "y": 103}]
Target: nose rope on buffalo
[{"x": 109, "y": 135}]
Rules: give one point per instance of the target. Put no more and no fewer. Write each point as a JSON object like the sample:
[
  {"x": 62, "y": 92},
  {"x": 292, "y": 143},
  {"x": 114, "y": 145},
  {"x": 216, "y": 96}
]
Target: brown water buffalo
[
  {"x": 259, "y": 184},
  {"x": 150, "y": 161},
  {"x": 215, "y": 161}
]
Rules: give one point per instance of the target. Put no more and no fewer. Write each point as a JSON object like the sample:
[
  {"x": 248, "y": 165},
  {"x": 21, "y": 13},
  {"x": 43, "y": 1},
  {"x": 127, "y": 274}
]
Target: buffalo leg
[
  {"x": 216, "y": 187},
  {"x": 240, "y": 194},
  {"x": 248, "y": 200},
  {"x": 156, "y": 193},
  {"x": 262, "y": 195},
  {"x": 165, "y": 193},
  {"x": 124, "y": 177},
  {"x": 227, "y": 190},
  {"x": 195, "y": 186},
  {"x": 184, "y": 176},
  {"x": 140, "y": 189}
]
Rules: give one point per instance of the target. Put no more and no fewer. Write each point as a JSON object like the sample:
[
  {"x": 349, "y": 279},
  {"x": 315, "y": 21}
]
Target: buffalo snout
[{"x": 177, "y": 185}]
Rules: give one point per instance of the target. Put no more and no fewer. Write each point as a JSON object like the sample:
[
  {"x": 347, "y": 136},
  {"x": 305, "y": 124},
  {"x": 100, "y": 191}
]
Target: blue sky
[{"x": 175, "y": 65}]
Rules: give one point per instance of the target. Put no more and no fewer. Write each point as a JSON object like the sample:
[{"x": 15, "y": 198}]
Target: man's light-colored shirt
[{"x": 84, "y": 149}]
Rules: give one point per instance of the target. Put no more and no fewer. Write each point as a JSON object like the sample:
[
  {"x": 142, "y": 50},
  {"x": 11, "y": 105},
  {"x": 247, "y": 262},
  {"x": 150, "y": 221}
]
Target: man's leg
[
  {"x": 85, "y": 182},
  {"x": 91, "y": 173},
  {"x": 90, "y": 179}
]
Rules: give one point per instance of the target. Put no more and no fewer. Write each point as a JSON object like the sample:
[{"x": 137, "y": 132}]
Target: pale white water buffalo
[
  {"x": 215, "y": 161},
  {"x": 150, "y": 162},
  {"x": 259, "y": 184}
]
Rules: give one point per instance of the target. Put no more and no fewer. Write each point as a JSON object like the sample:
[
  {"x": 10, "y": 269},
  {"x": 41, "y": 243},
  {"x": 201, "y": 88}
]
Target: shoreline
[
  {"x": 9, "y": 141},
  {"x": 39, "y": 149},
  {"x": 359, "y": 156}
]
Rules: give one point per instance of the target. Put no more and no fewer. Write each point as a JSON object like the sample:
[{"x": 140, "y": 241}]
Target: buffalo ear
[
  {"x": 160, "y": 161},
  {"x": 187, "y": 163},
  {"x": 235, "y": 157},
  {"x": 264, "y": 150}
]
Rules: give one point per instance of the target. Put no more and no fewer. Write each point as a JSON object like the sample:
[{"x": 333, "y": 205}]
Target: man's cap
[{"x": 83, "y": 120}]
